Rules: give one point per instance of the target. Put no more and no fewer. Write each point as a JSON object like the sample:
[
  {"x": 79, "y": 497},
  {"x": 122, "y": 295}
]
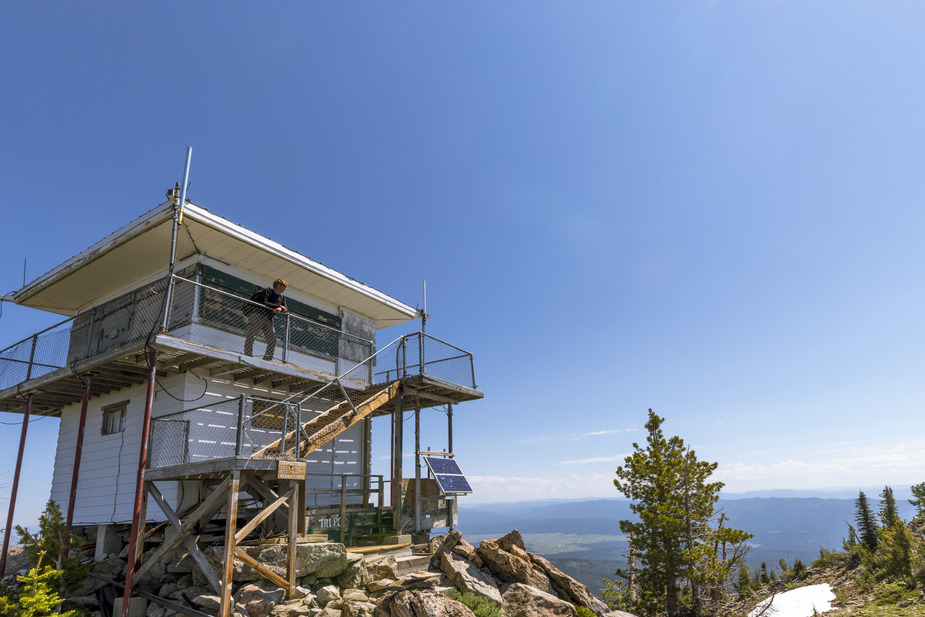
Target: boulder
[
  {"x": 257, "y": 601},
  {"x": 357, "y": 609},
  {"x": 327, "y": 594},
  {"x": 577, "y": 592},
  {"x": 521, "y": 600},
  {"x": 152, "y": 580},
  {"x": 321, "y": 559},
  {"x": 288, "y": 609},
  {"x": 420, "y": 580},
  {"x": 448, "y": 544},
  {"x": 318, "y": 560},
  {"x": 354, "y": 595},
  {"x": 466, "y": 577},
  {"x": 384, "y": 569},
  {"x": 111, "y": 567},
  {"x": 208, "y": 602},
  {"x": 410, "y": 603},
  {"x": 355, "y": 574},
  {"x": 512, "y": 540},
  {"x": 468, "y": 552},
  {"x": 179, "y": 561},
  {"x": 512, "y": 568}
]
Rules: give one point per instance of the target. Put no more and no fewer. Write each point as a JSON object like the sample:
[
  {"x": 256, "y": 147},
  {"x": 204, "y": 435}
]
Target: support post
[
  {"x": 294, "y": 512},
  {"x": 449, "y": 446},
  {"x": 231, "y": 526},
  {"x": 9, "y": 517},
  {"x": 343, "y": 508},
  {"x": 78, "y": 452},
  {"x": 177, "y": 217},
  {"x": 449, "y": 427},
  {"x": 139, "y": 483},
  {"x": 239, "y": 434},
  {"x": 397, "y": 422},
  {"x": 417, "y": 468},
  {"x": 367, "y": 458}
]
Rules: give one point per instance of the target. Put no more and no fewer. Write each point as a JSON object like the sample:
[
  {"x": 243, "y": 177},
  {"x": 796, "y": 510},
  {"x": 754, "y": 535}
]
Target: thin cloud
[
  {"x": 561, "y": 438},
  {"x": 597, "y": 459}
]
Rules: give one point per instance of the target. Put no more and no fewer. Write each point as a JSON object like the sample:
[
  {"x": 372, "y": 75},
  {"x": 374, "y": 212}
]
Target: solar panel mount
[{"x": 449, "y": 476}]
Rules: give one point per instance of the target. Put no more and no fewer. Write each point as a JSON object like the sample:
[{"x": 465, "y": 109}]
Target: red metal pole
[
  {"x": 139, "y": 483},
  {"x": 9, "y": 517},
  {"x": 78, "y": 451}
]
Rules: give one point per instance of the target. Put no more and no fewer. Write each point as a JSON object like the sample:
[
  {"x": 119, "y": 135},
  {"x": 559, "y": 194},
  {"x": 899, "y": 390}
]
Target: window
[{"x": 114, "y": 418}]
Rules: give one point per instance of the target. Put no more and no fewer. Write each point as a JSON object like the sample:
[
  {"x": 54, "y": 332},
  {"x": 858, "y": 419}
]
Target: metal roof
[{"x": 141, "y": 249}]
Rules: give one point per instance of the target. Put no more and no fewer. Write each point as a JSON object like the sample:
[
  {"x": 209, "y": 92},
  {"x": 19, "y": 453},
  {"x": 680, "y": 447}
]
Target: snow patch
[{"x": 797, "y": 602}]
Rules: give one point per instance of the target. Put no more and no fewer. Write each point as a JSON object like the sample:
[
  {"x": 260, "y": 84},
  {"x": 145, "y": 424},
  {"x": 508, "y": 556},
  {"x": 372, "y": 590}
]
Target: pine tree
[
  {"x": 888, "y": 514},
  {"x": 680, "y": 557},
  {"x": 48, "y": 547},
  {"x": 918, "y": 491},
  {"x": 867, "y": 526},
  {"x": 37, "y": 598},
  {"x": 896, "y": 555}
]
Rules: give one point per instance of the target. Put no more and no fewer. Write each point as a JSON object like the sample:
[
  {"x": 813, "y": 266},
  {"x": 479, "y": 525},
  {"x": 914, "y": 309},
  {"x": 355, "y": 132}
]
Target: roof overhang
[{"x": 141, "y": 249}]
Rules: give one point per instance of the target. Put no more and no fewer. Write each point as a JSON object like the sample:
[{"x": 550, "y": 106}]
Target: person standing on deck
[{"x": 260, "y": 318}]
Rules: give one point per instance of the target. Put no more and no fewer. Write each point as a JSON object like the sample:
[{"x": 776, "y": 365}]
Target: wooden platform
[{"x": 127, "y": 366}]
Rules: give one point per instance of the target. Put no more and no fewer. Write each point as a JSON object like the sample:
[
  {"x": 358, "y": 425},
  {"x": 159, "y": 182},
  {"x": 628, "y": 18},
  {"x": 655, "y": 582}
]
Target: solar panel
[
  {"x": 453, "y": 484},
  {"x": 448, "y": 475},
  {"x": 443, "y": 465}
]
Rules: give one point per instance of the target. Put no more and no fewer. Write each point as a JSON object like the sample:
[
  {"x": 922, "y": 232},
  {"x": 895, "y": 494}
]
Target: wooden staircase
[{"x": 323, "y": 428}]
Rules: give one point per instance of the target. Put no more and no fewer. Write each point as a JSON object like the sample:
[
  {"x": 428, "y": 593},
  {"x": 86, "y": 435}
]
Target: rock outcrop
[{"x": 332, "y": 582}]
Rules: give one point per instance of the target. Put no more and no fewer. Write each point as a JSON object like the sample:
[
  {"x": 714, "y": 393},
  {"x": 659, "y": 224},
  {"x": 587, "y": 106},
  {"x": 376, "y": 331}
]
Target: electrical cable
[
  {"x": 35, "y": 419},
  {"x": 115, "y": 492}
]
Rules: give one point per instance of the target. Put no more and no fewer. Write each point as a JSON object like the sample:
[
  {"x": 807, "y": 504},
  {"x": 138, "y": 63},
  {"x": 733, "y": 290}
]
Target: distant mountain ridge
[{"x": 582, "y": 537}]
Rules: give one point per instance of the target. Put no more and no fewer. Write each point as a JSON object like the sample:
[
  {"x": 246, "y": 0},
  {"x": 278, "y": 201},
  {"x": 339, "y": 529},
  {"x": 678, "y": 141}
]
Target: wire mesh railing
[
  {"x": 228, "y": 428},
  {"x": 35, "y": 356},
  {"x": 198, "y": 313},
  {"x": 421, "y": 354},
  {"x": 216, "y": 318}
]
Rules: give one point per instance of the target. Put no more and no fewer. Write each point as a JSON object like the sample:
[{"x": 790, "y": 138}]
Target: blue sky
[{"x": 713, "y": 209}]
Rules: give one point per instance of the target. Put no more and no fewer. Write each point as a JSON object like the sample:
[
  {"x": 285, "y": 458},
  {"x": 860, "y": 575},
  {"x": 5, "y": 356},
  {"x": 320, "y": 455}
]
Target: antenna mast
[
  {"x": 424, "y": 312},
  {"x": 177, "y": 217}
]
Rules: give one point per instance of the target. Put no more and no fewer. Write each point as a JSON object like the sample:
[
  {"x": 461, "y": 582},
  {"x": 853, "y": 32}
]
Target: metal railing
[
  {"x": 422, "y": 354},
  {"x": 246, "y": 425},
  {"x": 231, "y": 427},
  {"x": 198, "y": 313},
  {"x": 363, "y": 481},
  {"x": 41, "y": 353}
]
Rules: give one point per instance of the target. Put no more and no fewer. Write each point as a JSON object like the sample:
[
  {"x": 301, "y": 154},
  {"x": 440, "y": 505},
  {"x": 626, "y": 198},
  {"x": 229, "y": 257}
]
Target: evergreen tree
[
  {"x": 682, "y": 563},
  {"x": 888, "y": 514},
  {"x": 918, "y": 491},
  {"x": 896, "y": 555},
  {"x": 48, "y": 547},
  {"x": 867, "y": 526},
  {"x": 743, "y": 584},
  {"x": 37, "y": 598}
]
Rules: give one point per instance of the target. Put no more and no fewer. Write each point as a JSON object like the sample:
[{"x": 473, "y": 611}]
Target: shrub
[
  {"x": 481, "y": 606},
  {"x": 584, "y": 611},
  {"x": 37, "y": 597}
]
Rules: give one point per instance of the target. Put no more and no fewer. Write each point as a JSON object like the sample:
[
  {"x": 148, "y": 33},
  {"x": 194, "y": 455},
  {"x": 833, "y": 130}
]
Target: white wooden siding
[{"x": 109, "y": 463}]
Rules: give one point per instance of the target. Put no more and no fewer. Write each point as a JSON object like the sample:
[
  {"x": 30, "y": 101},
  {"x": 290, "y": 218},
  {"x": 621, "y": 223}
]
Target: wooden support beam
[
  {"x": 188, "y": 542},
  {"x": 231, "y": 523},
  {"x": 180, "y": 359},
  {"x": 262, "y": 489},
  {"x": 208, "y": 507},
  {"x": 262, "y": 516},
  {"x": 259, "y": 567},
  {"x": 286, "y": 381},
  {"x": 189, "y": 365},
  {"x": 293, "y": 533}
]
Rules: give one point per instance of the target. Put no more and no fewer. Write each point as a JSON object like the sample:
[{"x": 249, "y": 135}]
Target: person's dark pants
[{"x": 258, "y": 324}]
